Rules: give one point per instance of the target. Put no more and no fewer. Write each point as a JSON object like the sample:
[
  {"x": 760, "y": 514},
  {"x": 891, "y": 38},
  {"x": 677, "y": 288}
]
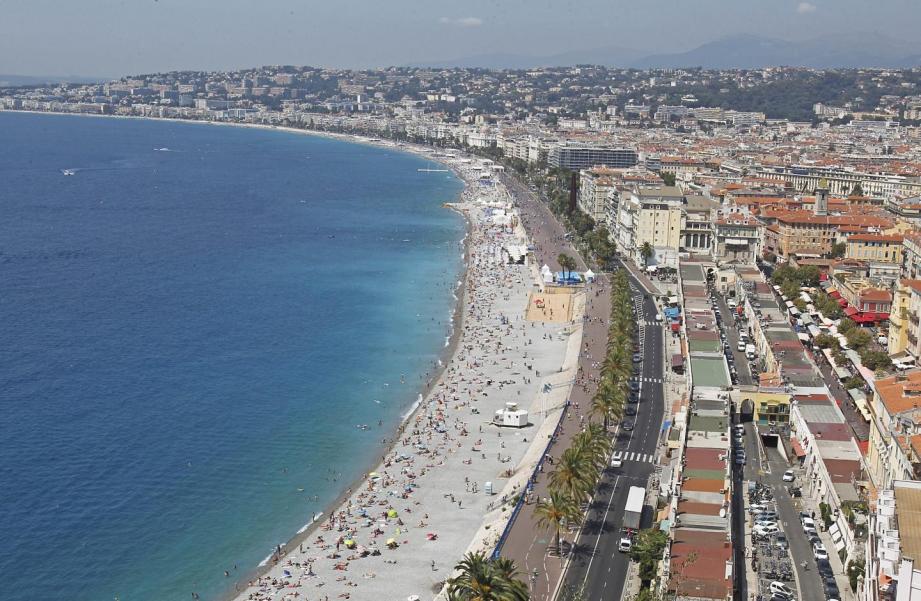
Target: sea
[{"x": 205, "y": 334}]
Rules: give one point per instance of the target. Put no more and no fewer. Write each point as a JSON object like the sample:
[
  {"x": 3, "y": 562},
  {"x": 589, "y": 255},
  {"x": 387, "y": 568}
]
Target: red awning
[
  {"x": 677, "y": 360},
  {"x": 834, "y": 294},
  {"x": 797, "y": 447},
  {"x": 842, "y": 302},
  {"x": 850, "y": 311}
]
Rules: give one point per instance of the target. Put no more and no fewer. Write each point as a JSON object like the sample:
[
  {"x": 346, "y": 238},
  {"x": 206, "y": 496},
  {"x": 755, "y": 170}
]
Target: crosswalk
[
  {"x": 639, "y": 457},
  {"x": 652, "y": 380}
]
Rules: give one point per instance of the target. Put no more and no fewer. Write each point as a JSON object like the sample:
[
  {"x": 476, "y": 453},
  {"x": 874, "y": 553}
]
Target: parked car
[
  {"x": 789, "y": 476},
  {"x": 831, "y": 588},
  {"x": 779, "y": 588},
  {"x": 819, "y": 550},
  {"x": 780, "y": 540},
  {"x": 637, "y": 357},
  {"x": 808, "y": 522},
  {"x": 617, "y": 459},
  {"x": 629, "y": 410},
  {"x": 627, "y": 426},
  {"x": 634, "y": 386},
  {"x": 765, "y": 529},
  {"x": 824, "y": 567}
]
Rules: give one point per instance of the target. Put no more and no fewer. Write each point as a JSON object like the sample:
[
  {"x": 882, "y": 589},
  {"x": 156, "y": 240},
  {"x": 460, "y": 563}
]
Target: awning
[
  {"x": 789, "y": 303},
  {"x": 794, "y": 311},
  {"x": 803, "y": 337},
  {"x": 736, "y": 241},
  {"x": 842, "y": 302},
  {"x": 797, "y": 447},
  {"x": 850, "y": 311},
  {"x": 813, "y": 330},
  {"x": 834, "y": 293},
  {"x": 677, "y": 360}
]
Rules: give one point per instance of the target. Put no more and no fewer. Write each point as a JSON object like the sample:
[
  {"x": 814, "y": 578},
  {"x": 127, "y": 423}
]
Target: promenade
[{"x": 526, "y": 544}]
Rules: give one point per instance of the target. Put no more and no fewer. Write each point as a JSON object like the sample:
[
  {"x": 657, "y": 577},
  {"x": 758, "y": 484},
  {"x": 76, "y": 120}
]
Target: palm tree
[
  {"x": 556, "y": 512},
  {"x": 481, "y": 579},
  {"x": 572, "y": 474},
  {"x": 646, "y": 252},
  {"x": 567, "y": 264}
]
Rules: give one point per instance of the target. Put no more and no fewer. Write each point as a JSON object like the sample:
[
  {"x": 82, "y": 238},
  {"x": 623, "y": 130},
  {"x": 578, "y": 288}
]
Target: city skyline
[{"x": 99, "y": 38}]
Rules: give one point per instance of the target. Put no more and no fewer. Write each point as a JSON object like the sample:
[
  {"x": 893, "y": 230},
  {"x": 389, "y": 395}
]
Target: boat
[{"x": 68, "y": 172}]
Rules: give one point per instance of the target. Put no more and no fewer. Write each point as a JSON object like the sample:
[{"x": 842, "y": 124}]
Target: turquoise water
[{"x": 194, "y": 324}]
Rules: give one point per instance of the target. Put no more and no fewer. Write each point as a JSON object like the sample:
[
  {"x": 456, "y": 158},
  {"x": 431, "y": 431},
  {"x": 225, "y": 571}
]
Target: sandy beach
[{"x": 400, "y": 531}]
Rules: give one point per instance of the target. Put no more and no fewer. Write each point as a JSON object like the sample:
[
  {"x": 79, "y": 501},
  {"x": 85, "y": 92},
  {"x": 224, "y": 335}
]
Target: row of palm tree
[
  {"x": 577, "y": 470},
  {"x": 613, "y": 387}
]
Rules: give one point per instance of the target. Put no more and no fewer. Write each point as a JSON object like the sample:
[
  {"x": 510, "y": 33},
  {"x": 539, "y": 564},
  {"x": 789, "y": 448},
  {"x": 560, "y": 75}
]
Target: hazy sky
[{"x": 118, "y": 37}]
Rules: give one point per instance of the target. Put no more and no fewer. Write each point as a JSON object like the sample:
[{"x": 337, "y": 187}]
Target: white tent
[
  {"x": 545, "y": 269},
  {"x": 589, "y": 276}
]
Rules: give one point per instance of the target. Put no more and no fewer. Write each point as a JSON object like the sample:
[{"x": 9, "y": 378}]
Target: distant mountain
[
  {"x": 9, "y": 81},
  {"x": 743, "y": 51},
  {"x": 612, "y": 56},
  {"x": 825, "y": 52}
]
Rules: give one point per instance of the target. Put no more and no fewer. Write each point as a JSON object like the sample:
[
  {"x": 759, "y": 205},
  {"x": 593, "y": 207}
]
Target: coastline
[{"x": 447, "y": 357}]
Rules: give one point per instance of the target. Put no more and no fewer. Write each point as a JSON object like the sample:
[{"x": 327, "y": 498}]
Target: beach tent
[
  {"x": 391, "y": 513},
  {"x": 589, "y": 276}
]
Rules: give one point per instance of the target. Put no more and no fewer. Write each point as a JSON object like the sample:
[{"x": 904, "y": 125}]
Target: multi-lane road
[{"x": 596, "y": 567}]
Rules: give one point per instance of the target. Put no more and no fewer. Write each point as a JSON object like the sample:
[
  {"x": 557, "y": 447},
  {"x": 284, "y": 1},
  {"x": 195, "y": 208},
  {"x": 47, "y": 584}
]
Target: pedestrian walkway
[{"x": 640, "y": 457}]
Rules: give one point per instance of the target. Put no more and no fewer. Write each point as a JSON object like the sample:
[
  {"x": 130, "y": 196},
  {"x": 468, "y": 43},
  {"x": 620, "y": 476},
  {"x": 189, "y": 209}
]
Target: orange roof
[
  {"x": 900, "y": 393},
  {"x": 891, "y": 238}
]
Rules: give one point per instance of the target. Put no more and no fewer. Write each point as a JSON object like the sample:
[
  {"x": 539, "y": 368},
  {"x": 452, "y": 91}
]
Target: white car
[
  {"x": 789, "y": 476},
  {"x": 741, "y": 346},
  {"x": 617, "y": 459},
  {"x": 765, "y": 529},
  {"x": 808, "y": 523},
  {"x": 625, "y": 545},
  {"x": 779, "y": 588},
  {"x": 820, "y": 551}
]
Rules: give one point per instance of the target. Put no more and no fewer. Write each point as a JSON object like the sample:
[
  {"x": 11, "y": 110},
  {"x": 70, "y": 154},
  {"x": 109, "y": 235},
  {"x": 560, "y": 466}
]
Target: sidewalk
[{"x": 641, "y": 277}]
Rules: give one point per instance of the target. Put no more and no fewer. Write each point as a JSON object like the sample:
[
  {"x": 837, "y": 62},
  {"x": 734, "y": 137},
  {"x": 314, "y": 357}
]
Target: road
[
  {"x": 731, "y": 326},
  {"x": 788, "y": 510},
  {"x": 597, "y": 568}
]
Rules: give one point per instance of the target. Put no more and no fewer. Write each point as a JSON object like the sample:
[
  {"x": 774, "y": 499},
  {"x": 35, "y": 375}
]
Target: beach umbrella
[
  {"x": 392, "y": 513},
  {"x": 349, "y": 543},
  {"x": 413, "y": 598}
]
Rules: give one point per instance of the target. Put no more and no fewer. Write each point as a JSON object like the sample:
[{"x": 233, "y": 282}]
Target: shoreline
[{"x": 447, "y": 357}]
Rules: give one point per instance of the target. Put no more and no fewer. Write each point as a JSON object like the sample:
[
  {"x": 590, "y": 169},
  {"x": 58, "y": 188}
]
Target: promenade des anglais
[{"x": 461, "y": 306}]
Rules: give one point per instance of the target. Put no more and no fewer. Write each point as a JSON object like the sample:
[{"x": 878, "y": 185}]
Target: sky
[{"x": 111, "y": 38}]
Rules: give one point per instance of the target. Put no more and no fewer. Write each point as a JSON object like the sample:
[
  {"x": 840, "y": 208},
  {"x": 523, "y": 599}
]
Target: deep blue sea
[{"x": 191, "y": 327}]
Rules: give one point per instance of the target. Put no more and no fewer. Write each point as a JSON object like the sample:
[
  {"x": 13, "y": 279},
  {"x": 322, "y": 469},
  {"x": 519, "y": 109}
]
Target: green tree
[
  {"x": 646, "y": 251},
  {"x": 567, "y": 264},
  {"x": 854, "y": 382},
  {"x": 838, "y": 250},
  {"x": 856, "y": 568},
  {"x": 572, "y": 474},
  {"x": 668, "y": 178},
  {"x": 648, "y": 546},
  {"x": 826, "y": 341},
  {"x": 555, "y": 513},
  {"x": 482, "y": 579},
  {"x": 857, "y": 338}
]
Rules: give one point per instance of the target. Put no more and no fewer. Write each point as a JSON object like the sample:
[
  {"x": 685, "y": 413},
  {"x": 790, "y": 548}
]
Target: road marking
[{"x": 604, "y": 519}]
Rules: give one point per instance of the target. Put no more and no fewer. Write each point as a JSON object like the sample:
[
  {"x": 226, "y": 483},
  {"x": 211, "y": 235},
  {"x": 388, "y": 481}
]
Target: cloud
[
  {"x": 805, "y": 8},
  {"x": 461, "y": 21}
]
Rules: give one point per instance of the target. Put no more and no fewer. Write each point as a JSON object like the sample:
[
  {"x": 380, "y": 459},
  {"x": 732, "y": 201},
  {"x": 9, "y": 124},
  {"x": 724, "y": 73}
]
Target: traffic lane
[
  {"x": 753, "y": 468},
  {"x": 800, "y": 547},
  {"x": 600, "y": 567},
  {"x": 731, "y": 327}
]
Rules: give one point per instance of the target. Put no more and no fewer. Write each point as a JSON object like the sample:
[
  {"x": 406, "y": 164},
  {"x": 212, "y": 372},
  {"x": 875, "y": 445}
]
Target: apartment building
[
  {"x": 576, "y": 157},
  {"x": 595, "y": 185},
  {"x": 872, "y": 247},
  {"x": 737, "y": 238},
  {"x": 657, "y": 217},
  {"x": 895, "y": 429}
]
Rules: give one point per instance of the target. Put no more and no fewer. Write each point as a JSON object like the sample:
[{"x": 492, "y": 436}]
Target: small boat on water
[{"x": 68, "y": 172}]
